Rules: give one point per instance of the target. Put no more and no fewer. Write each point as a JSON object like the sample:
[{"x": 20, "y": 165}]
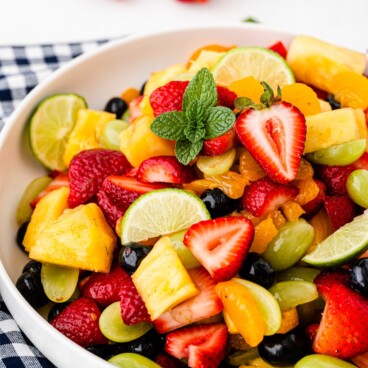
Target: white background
[{"x": 343, "y": 22}]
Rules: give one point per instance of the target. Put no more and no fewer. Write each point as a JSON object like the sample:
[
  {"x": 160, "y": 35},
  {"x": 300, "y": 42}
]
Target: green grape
[
  {"x": 59, "y": 282},
  {"x": 297, "y": 273},
  {"x": 109, "y": 137},
  {"x": 289, "y": 245},
  {"x": 357, "y": 187},
  {"x": 340, "y": 154},
  {"x": 34, "y": 188},
  {"x": 112, "y": 325},
  {"x": 322, "y": 361},
  {"x": 289, "y": 294},
  {"x": 132, "y": 360},
  {"x": 216, "y": 165},
  {"x": 185, "y": 255}
]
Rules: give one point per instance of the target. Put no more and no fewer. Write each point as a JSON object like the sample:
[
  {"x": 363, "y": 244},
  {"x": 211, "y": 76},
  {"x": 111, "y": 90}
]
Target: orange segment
[
  {"x": 249, "y": 168},
  {"x": 247, "y": 87},
  {"x": 242, "y": 310},
  {"x": 130, "y": 94},
  {"x": 308, "y": 190},
  {"x": 289, "y": 320},
  {"x": 264, "y": 232},
  {"x": 301, "y": 96},
  {"x": 278, "y": 218},
  {"x": 305, "y": 170},
  {"x": 292, "y": 211}
]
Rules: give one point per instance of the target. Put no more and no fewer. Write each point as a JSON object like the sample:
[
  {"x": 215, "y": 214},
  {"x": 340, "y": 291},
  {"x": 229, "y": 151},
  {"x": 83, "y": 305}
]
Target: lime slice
[
  {"x": 161, "y": 212},
  {"x": 253, "y": 61},
  {"x": 344, "y": 244},
  {"x": 50, "y": 127}
]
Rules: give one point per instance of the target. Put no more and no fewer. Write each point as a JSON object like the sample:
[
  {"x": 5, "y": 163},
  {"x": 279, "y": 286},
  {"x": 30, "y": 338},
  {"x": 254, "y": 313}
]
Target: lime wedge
[
  {"x": 253, "y": 61},
  {"x": 50, "y": 127},
  {"x": 344, "y": 244},
  {"x": 161, "y": 212}
]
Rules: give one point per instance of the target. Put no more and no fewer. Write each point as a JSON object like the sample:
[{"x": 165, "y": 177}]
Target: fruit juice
[{"x": 217, "y": 218}]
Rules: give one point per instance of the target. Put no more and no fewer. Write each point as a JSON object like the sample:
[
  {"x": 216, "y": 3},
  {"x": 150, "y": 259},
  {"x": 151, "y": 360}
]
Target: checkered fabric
[{"x": 21, "y": 69}]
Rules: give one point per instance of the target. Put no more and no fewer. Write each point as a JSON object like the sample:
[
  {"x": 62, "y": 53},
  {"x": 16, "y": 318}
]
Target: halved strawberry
[
  {"x": 204, "y": 346},
  {"x": 164, "y": 169},
  {"x": 219, "y": 145},
  {"x": 204, "y": 305},
  {"x": 343, "y": 331},
  {"x": 275, "y": 137},
  {"x": 221, "y": 245},
  {"x": 340, "y": 210},
  {"x": 264, "y": 196},
  {"x": 327, "y": 279}
]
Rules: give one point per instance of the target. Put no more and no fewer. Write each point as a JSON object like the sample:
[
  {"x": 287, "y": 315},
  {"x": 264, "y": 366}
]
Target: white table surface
[{"x": 343, "y": 22}]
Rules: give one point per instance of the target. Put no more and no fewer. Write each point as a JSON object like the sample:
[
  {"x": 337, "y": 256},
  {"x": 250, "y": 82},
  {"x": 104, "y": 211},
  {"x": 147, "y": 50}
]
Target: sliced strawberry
[
  {"x": 134, "y": 109},
  {"x": 104, "y": 288},
  {"x": 89, "y": 168},
  {"x": 221, "y": 245},
  {"x": 219, "y": 145},
  {"x": 264, "y": 196},
  {"x": 164, "y": 169},
  {"x": 168, "y": 97},
  {"x": 168, "y": 361},
  {"x": 340, "y": 210},
  {"x": 327, "y": 279},
  {"x": 343, "y": 331},
  {"x": 280, "y": 48},
  {"x": 313, "y": 206},
  {"x": 334, "y": 177},
  {"x": 206, "y": 304},
  {"x": 275, "y": 137},
  {"x": 79, "y": 322},
  {"x": 204, "y": 346},
  {"x": 361, "y": 162},
  {"x": 225, "y": 97},
  {"x": 133, "y": 309}
]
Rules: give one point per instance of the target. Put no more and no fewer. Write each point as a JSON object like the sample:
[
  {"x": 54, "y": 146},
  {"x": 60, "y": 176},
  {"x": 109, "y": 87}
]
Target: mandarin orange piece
[
  {"x": 255, "y": 220},
  {"x": 130, "y": 94},
  {"x": 289, "y": 320},
  {"x": 305, "y": 170},
  {"x": 308, "y": 190},
  {"x": 292, "y": 210},
  {"x": 322, "y": 228},
  {"x": 301, "y": 96},
  {"x": 350, "y": 89},
  {"x": 247, "y": 87},
  {"x": 264, "y": 232},
  {"x": 278, "y": 218},
  {"x": 249, "y": 168},
  {"x": 242, "y": 310}
]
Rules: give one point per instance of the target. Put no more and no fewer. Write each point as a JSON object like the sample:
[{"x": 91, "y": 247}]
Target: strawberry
[
  {"x": 104, "y": 288},
  {"x": 313, "y": 206},
  {"x": 327, "y": 279},
  {"x": 133, "y": 309},
  {"x": 219, "y": 145},
  {"x": 168, "y": 97},
  {"x": 334, "y": 177},
  {"x": 275, "y": 136},
  {"x": 340, "y": 210},
  {"x": 204, "y": 346},
  {"x": 221, "y": 245},
  {"x": 117, "y": 193},
  {"x": 79, "y": 322},
  {"x": 89, "y": 168},
  {"x": 280, "y": 48},
  {"x": 168, "y": 361},
  {"x": 164, "y": 169},
  {"x": 361, "y": 162},
  {"x": 264, "y": 196},
  {"x": 343, "y": 331},
  {"x": 135, "y": 109},
  {"x": 225, "y": 97},
  {"x": 204, "y": 305},
  {"x": 311, "y": 331}
]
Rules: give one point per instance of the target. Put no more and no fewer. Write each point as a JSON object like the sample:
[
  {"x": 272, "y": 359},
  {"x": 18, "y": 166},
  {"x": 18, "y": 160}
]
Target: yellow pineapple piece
[
  {"x": 290, "y": 320},
  {"x": 86, "y": 132},
  {"x": 324, "y": 105},
  {"x": 316, "y": 62},
  {"x": 161, "y": 279},
  {"x": 79, "y": 238},
  {"x": 48, "y": 209},
  {"x": 138, "y": 142},
  {"x": 330, "y": 128},
  {"x": 362, "y": 125},
  {"x": 206, "y": 59}
]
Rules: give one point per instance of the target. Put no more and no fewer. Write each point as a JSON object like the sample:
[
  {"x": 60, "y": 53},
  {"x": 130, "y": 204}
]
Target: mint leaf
[
  {"x": 170, "y": 125},
  {"x": 186, "y": 150},
  {"x": 220, "y": 119},
  {"x": 201, "y": 88},
  {"x": 196, "y": 114}
]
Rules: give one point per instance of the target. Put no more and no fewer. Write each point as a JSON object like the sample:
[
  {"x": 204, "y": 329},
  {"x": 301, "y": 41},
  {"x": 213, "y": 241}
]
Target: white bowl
[{"x": 96, "y": 76}]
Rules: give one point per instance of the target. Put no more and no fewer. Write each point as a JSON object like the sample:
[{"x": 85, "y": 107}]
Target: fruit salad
[{"x": 214, "y": 218}]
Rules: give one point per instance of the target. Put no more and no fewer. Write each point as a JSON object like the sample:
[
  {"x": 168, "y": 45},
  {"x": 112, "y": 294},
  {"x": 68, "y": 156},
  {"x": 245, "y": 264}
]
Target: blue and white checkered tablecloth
[{"x": 21, "y": 69}]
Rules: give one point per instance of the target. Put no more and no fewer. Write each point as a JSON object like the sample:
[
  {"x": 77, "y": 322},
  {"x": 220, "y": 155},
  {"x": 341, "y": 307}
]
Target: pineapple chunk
[
  {"x": 325, "y": 106},
  {"x": 138, "y": 142},
  {"x": 161, "y": 279},
  {"x": 79, "y": 238},
  {"x": 330, "y": 128},
  {"x": 362, "y": 125},
  {"x": 315, "y": 62},
  {"x": 206, "y": 59},
  {"x": 86, "y": 132},
  {"x": 48, "y": 209}
]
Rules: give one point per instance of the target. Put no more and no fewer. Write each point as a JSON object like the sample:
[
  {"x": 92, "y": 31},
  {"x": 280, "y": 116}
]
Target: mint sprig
[{"x": 200, "y": 119}]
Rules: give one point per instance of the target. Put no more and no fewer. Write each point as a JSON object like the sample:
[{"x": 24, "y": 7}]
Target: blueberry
[
  {"x": 117, "y": 106},
  {"x": 218, "y": 203},
  {"x": 256, "y": 269},
  {"x": 56, "y": 310},
  {"x": 359, "y": 276},
  {"x": 283, "y": 350},
  {"x": 131, "y": 256},
  {"x": 34, "y": 266},
  {"x": 30, "y": 286},
  {"x": 20, "y": 234},
  {"x": 334, "y": 104}
]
